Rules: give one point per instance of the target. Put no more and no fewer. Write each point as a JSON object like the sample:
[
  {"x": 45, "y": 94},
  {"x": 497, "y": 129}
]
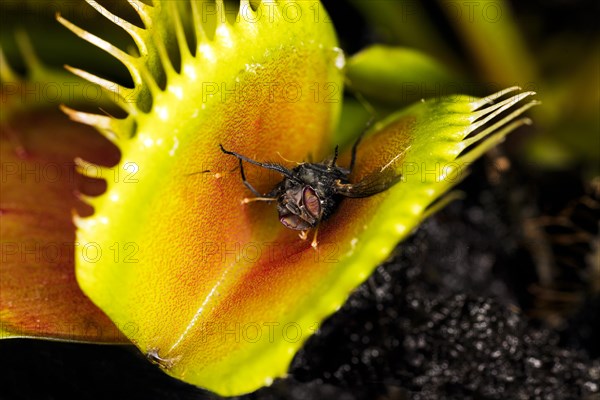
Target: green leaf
[{"x": 395, "y": 76}]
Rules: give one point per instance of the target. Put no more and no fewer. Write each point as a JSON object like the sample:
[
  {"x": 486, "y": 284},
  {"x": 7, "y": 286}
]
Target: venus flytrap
[
  {"x": 39, "y": 297},
  {"x": 173, "y": 132},
  {"x": 223, "y": 321}
]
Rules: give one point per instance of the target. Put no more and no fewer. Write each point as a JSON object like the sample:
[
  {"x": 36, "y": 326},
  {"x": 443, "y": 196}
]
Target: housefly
[{"x": 311, "y": 192}]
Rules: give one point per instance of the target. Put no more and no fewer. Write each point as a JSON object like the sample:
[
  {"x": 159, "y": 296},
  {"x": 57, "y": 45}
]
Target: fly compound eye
[
  {"x": 311, "y": 202},
  {"x": 292, "y": 221}
]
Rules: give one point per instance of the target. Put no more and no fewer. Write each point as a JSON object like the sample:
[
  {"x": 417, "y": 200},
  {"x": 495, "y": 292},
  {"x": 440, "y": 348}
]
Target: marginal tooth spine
[
  {"x": 136, "y": 33},
  {"x": 486, "y": 100},
  {"x": 221, "y": 15},
  {"x": 246, "y": 11},
  {"x": 496, "y": 109},
  {"x": 90, "y": 170},
  {"x": 122, "y": 96},
  {"x": 184, "y": 49},
  {"x": 29, "y": 56},
  {"x": 164, "y": 57},
  {"x": 130, "y": 62},
  {"x": 84, "y": 198},
  {"x": 149, "y": 80},
  {"x": 105, "y": 124},
  {"x": 6, "y": 72},
  {"x": 84, "y": 224},
  {"x": 198, "y": 30},
  {"x": 467, "y": 142},
  {"x": 142, "y": 10},
  {"x": 497, "y": 137},
  {"x": 77, "y": 220}
]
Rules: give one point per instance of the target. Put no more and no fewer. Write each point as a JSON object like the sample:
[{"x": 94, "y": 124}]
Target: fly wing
[{"x": 372, "y": 184}]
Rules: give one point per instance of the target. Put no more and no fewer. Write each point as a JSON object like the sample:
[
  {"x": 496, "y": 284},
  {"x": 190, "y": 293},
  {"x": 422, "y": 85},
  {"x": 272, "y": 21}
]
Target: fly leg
[
  {"x": 272, "y": 196},
  {"x": 259, "y": 196},
  {"x": 246, "y": 183},
  {"x": 357, "y": 142},
  {"x": 274, "y": 167},
  {"x": 247, "y": 200},
  {"x": 267, "y": 197},
  {"x": 304, "y": 235},
  {"x": 314, "y": 241}
]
